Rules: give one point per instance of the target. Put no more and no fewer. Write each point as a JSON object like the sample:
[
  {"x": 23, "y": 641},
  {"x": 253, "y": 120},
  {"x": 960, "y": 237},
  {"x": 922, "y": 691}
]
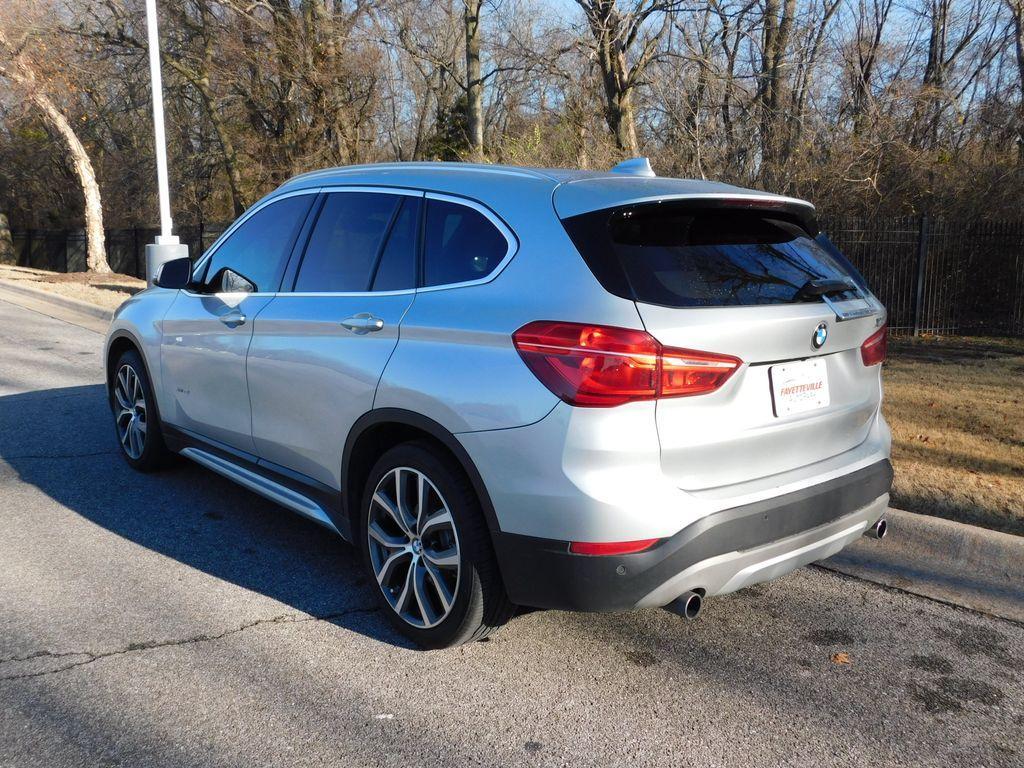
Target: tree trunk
[
  {"x": 96, "y": 254},
  {"x": 772, "y": 76},
  {"x": 23, "y": 75},
  {"x": 1017, "y": 9},
  {"x": 7, "y": 254},
  {"x": 619, "y": 113},
  {"x": 474, "y": 86}
]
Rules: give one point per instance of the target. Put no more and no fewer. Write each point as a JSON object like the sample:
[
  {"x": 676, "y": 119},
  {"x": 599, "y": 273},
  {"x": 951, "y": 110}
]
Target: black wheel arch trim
[
  {"x": 117, "y": 335},
  {"x": 403, "y": 417}
]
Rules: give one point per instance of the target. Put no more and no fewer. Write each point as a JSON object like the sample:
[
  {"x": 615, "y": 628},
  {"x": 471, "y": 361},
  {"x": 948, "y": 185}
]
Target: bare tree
[
  {"x": 617, "y": 32},
  {"x": 474, "y": 83},
  {"x": 17, "y": 69}
]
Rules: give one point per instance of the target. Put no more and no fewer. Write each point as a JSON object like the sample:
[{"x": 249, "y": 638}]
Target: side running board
[{"x": 265, "y": 487}]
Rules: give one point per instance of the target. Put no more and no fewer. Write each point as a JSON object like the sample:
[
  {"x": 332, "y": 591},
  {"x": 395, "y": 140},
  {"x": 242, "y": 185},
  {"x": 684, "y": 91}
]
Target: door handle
[
  {"x": 233, "y": 318},
  {"x": 363, "y": 323}
]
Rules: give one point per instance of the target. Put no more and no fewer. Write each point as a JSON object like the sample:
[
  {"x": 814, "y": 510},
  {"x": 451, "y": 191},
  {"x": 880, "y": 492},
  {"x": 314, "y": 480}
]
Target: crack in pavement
[{"x": 147, "y": 645}]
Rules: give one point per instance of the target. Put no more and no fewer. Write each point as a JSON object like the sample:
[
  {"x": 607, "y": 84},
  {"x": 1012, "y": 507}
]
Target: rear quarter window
[
  {"x": 460, "y": 244},
  {"x": 685, "y": 256}
]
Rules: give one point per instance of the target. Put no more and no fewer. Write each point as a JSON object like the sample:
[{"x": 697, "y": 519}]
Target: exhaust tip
[
  {"x": 688, "y": 605},
  {"x": 878, "y": 530}
]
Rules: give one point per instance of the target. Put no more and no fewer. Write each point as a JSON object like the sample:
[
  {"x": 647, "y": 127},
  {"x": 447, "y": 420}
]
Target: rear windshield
[{"x": 681, "y": 256}]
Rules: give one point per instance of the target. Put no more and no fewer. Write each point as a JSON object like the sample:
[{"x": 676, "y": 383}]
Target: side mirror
[
  {"x": 174, "y": 274},
  {"x": 232, "y": 282}
]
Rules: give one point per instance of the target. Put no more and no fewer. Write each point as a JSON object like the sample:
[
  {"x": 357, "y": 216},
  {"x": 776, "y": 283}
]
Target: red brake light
[
  {"x": 601, "y": 366},
  {"x": 611, "y": 547},
  {"x": 875, "y": 349}
]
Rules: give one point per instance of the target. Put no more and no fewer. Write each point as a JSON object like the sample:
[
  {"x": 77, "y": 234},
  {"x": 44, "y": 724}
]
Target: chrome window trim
[
  {"x": 487, "y": 213},
  {"x": 256, "y": 208},
  {"x": 377, "y": 189}
]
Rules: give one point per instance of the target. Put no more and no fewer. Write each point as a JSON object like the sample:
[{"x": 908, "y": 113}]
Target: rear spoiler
[{"x": 799, "y": 209}]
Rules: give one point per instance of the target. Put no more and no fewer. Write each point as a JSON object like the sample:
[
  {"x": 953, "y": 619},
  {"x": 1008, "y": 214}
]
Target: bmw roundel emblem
[{"x": 819, "y": 336}]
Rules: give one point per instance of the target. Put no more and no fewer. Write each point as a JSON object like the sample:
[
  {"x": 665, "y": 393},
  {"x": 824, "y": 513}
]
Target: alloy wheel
[
  {"x": 132, "y": 412},
  {"x": 414, "y": 547}
]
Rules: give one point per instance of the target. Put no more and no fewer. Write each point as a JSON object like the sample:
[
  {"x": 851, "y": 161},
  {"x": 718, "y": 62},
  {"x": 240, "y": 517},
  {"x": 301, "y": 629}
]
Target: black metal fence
[
  {"x": 64, "y": 250},
  {"x": 935, "y": 275},
  {"x": 939, "y": 276}
]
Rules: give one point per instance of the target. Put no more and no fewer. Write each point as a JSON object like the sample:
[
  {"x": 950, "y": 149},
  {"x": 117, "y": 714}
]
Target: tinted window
[
  {"x": 258, "y": 249},
  {"x": 346, "y": 240},
  {"x": 397, "y": 268},
  {"x": 684, "y": 257},
  {"x": 460, "y": 244}
]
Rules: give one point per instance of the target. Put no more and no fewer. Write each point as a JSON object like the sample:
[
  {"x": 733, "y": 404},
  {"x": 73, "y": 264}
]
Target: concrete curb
[
  {"x": 84, "y": 307},
  {"x": 956, "y": 563}
]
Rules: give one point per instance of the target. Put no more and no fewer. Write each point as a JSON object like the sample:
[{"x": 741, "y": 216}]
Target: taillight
[
  {"x": 601, "y": 366},
  {"x": 611, "y": 547},
  {"x": 875, "y": 349}
]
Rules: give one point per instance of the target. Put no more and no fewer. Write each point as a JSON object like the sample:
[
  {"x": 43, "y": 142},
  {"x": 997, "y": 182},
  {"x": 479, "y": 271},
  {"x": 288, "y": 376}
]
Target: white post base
[{"x": 159, "y": 253}]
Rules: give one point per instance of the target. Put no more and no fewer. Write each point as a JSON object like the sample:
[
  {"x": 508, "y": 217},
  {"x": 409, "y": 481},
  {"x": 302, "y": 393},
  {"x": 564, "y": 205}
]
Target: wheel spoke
[
  {"x": 381, "y": 536},
  {"x": 387, "y": 568},
  {"x": 440, "y": 588},
  {"x": 421, "y": 500},
  {"x": 419, "y": 590},
  {"x": 133, "y": 450},
  {"x": 393, "y": 512},
  {"x": 122, "y": 399},
  {"x": 441, "y": 519},
  {"x": 136, "y": 386},
  {"x": 446, "y": 558},
  {"x": 139, "y": 438},
  {"x": 403, "y": 598}
]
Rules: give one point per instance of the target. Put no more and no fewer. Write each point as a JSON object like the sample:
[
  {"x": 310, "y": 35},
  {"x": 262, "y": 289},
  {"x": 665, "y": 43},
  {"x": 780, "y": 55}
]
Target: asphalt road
[{"x": 175, "y": 619}]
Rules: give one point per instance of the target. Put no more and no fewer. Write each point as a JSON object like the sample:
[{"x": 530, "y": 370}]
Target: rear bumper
[{"x": 720, "y": 553}]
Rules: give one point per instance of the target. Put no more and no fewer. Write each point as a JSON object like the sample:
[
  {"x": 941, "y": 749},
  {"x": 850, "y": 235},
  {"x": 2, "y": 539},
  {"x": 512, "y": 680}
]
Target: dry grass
[
  {"x": 103, "y": 290},
  {"x": 956, "y": 408}
]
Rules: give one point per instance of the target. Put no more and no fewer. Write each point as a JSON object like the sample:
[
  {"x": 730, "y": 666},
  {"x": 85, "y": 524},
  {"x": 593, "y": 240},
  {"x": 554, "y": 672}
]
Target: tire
[
  {"x": 424, "y": 548},
  {"x": 142, "y": 446}
]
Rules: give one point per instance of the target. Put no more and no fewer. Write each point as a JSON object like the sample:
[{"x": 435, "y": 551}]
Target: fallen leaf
[{"x": 841, "y": 658}]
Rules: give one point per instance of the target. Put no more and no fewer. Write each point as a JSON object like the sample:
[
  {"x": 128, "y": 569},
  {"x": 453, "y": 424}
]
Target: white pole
[
  {"x": 158, "y": 121},
  {"x": 166, "y": 248}
]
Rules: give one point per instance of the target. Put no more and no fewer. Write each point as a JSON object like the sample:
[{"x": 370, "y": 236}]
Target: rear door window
[
  {"x": 346, "y": 241},
  {"x": 680, "y": 256},
  {"x": 460, "y": 244}
]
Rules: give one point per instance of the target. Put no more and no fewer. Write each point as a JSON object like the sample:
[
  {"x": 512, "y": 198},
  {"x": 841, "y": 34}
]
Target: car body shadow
[{"x": 62, "y": 442}]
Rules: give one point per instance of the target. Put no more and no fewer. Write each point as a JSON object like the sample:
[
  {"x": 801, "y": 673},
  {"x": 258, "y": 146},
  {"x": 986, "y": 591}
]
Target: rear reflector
[
  {"x": 611, "y": 547},
  {"x": 603, "y": 366},
  {"x": 875, "y": 349}
]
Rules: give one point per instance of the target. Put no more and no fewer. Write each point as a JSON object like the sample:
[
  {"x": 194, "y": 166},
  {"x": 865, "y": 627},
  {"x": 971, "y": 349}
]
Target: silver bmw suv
[{"x": 510, "y": 387}]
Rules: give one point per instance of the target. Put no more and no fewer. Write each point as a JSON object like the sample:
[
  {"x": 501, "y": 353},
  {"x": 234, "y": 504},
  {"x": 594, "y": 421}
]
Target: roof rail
[{"x": 636, "y": 166}]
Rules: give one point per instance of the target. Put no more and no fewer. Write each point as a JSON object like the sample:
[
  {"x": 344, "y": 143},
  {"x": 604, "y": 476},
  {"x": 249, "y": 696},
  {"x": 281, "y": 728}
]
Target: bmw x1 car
[{"x": 580, "y": 390}]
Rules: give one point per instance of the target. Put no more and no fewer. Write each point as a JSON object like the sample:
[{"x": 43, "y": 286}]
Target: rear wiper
[
  {"x": 823, "y": 289},
  {"x": 814, "y": 289}
]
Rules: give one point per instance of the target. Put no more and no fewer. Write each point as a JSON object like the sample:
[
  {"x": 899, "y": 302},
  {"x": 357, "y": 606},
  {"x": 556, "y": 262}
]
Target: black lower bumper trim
[{"x": 542, "y": 573}]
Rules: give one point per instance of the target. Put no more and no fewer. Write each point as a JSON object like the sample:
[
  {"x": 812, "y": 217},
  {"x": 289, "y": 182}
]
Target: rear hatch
[{"x": 752, "y": 279}]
